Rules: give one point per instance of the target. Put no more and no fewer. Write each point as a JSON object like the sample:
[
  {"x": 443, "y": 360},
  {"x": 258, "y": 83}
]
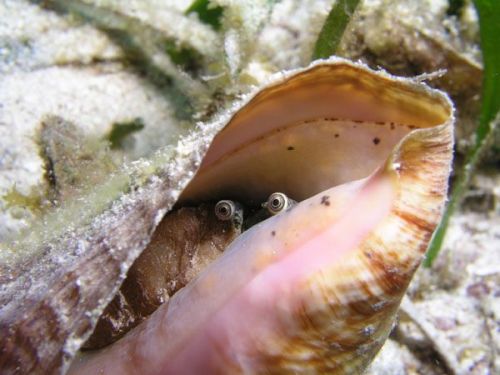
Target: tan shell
[
  {"x": 349, "y": 307},
  {"x": 346, "y": 314}
]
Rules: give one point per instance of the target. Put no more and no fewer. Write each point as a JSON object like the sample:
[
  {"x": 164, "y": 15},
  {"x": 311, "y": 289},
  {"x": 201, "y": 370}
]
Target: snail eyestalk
[
  {"x": 278, "y": 202},
  {"x": 229, "y": 210}
]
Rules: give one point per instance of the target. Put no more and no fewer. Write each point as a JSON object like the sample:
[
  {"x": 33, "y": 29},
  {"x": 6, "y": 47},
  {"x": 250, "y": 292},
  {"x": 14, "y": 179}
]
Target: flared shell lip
[
  {"x": 412, "y": 86},
  {"x": 279, "y": 78}
]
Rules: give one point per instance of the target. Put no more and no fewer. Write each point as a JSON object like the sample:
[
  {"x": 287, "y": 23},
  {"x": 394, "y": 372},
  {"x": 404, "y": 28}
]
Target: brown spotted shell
[
  {"x": 291, "y": 136},
  {"x": 330, "y": 124}
]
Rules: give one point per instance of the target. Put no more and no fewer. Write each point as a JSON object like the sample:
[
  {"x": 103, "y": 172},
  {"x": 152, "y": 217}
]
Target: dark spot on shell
[
  {"x": 325, "y": 200},
  {"x": 357, "y": 121},
  {"x": 376, "y": 141},
  {"x": 336, "y": 135},
  {"x": 331, "y": 119},
  {"x": 368, "y": 254},
  {"x": 290, "y": 148},
  {"x": 379, "y": 123},
  {"x": 273, "y": 233},
  {"x": 393, "y": 126}
]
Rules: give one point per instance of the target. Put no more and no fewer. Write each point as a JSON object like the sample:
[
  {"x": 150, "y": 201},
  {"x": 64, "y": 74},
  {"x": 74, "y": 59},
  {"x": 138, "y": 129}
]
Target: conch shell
[{"x": 314, "y": 289}]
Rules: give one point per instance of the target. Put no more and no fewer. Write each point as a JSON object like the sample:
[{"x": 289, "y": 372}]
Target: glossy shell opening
[{"x": 322, "y": 127}]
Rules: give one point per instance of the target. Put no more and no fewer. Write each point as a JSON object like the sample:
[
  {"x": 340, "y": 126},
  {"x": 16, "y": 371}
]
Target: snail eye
[
  {"x": 278, "y": 202},
  {"x": 225, "y": 210}
]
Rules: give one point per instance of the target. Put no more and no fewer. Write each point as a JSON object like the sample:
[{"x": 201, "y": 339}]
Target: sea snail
[
  {"x": 185, "y": 242},
  {"x": 314, "y": 289},
  {"x": 368, "y": 157}
]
